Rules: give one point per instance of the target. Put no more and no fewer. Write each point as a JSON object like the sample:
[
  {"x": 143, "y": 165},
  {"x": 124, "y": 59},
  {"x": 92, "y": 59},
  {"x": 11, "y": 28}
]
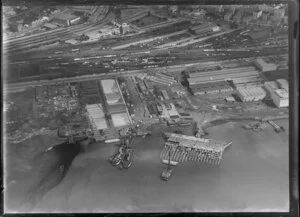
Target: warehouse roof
[
  {"x": 64, "y": 16},
  {"x": 251, "y": 91},
  {"x": 282, "y": 93},
  {"x": 271, "y": 84},
  {"x": 109, "y": 86},
  {"x": 223, "y": 71},
  {"x": 221, "y": 77},
  {"x": 50, "y": 25},
  {"x": 283, "y": 83}
]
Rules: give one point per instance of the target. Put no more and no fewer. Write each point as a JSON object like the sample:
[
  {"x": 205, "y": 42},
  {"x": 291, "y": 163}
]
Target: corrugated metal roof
[
  {"x": 223, "y": 71},
  {"x": 271, "y": 84},
  {"x": 221, "y": 77},
  {"x": 251, "y": 91},
  {"x": 64, "y": 16},
  {"x": 282, "y": 93},
  {"x": 109, "y": 86},
  {"x": 283, "y": 83}
]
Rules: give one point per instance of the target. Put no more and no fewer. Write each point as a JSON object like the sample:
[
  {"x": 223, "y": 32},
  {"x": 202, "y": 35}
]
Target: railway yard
[{"x": 149, "y": 72}]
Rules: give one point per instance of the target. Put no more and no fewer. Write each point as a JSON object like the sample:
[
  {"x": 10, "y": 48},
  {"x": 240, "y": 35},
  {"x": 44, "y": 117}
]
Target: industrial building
[
  {"x": 165, "y": 77},
  {"x": 120, "y": 119},
  {"x": 216, "y": 81},
  {"x": 160, "y": 81},
  {"x": 113, "y": 98},
  {"x": 65, "y": 19},
  {"x": 210, "y": 87},
  {"x": 278, "y": 91},
  {"x": 149, "y": 85},
  {"x": 116, "y": 104},
  {"x": 204, "y": 28},
  {"x": 283, "y": 84},
  {"x": 96, "y": 116},
  {"x": 251, "y": 93},
  {"x": 165, "y": 94},
  {"x": 142, "y": 87},
  {"x": 263, "y": 66},
  {"x": 168, "y": 111},
  {"x": 116, "y": 108},
  {"x": 109, "y": 86}
]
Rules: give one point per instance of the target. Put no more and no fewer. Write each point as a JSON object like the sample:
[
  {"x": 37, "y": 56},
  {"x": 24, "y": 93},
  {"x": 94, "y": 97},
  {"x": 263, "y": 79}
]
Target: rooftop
[
  {"x": 64, "y": 16},
  {"x": 194, "y": 142},
  {"x": 283, "y": 84},
  {"x": 272, "y": 84},
  {"x": 282, "y": 93},
  {"x": 109, "y": 86}
]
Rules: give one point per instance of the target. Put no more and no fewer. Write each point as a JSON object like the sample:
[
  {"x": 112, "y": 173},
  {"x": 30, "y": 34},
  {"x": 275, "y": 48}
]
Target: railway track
[{"x": 52, "y": 36}]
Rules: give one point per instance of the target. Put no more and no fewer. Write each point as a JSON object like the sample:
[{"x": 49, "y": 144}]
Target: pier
[{"x": 181, "y": 148}]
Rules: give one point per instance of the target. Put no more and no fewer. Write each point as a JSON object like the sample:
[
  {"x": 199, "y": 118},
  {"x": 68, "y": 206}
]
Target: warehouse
[
  {"x": 246, "y": 81},
  {"x": 149, "y": 85},
  {"x": 221, "y": 77},
  {"x": 116, "y": 108},
  {"x": 113, "y": 98},
  {"x": 160, "y": 81},
  {"x": 205, "y": 88},
  {"x": 223, "y": 71},
  {"x": 109, "y": 86},
  {"x": 96, "y": 116},
  {"x": 251, "y": 93},
  {"x": 165, "y": 94},
  {"x": 65, "y": 19},
  {"x": 279, "y": 95},
  {"x": 204, "y": 28},
  {"x": 152, "y": 109},
  {"x": 283, "y": 84},
  {"x": 142, "y": 87},
  {"x": 263, "y": 66},
  {"x": 165, "y": 77},
  {"x": 120, "y": 120},
  {"x": 168, "y": 110},
  {"x": 216, "y": 81}
]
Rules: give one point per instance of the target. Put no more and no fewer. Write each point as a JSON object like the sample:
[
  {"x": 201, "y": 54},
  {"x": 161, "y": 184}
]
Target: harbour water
[{"x": 253, "y": 176}]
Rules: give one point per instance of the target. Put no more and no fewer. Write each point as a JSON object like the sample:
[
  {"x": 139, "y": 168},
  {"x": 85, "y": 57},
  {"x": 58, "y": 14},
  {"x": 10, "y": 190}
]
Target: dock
[{"x": 181, "y": 148}]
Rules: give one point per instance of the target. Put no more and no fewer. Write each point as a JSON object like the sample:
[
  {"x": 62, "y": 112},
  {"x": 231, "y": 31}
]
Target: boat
[
  {"x": 167, "y": 173},
  {"x": 127, "y": 158},
  {"x": 116, "y": 159}
]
